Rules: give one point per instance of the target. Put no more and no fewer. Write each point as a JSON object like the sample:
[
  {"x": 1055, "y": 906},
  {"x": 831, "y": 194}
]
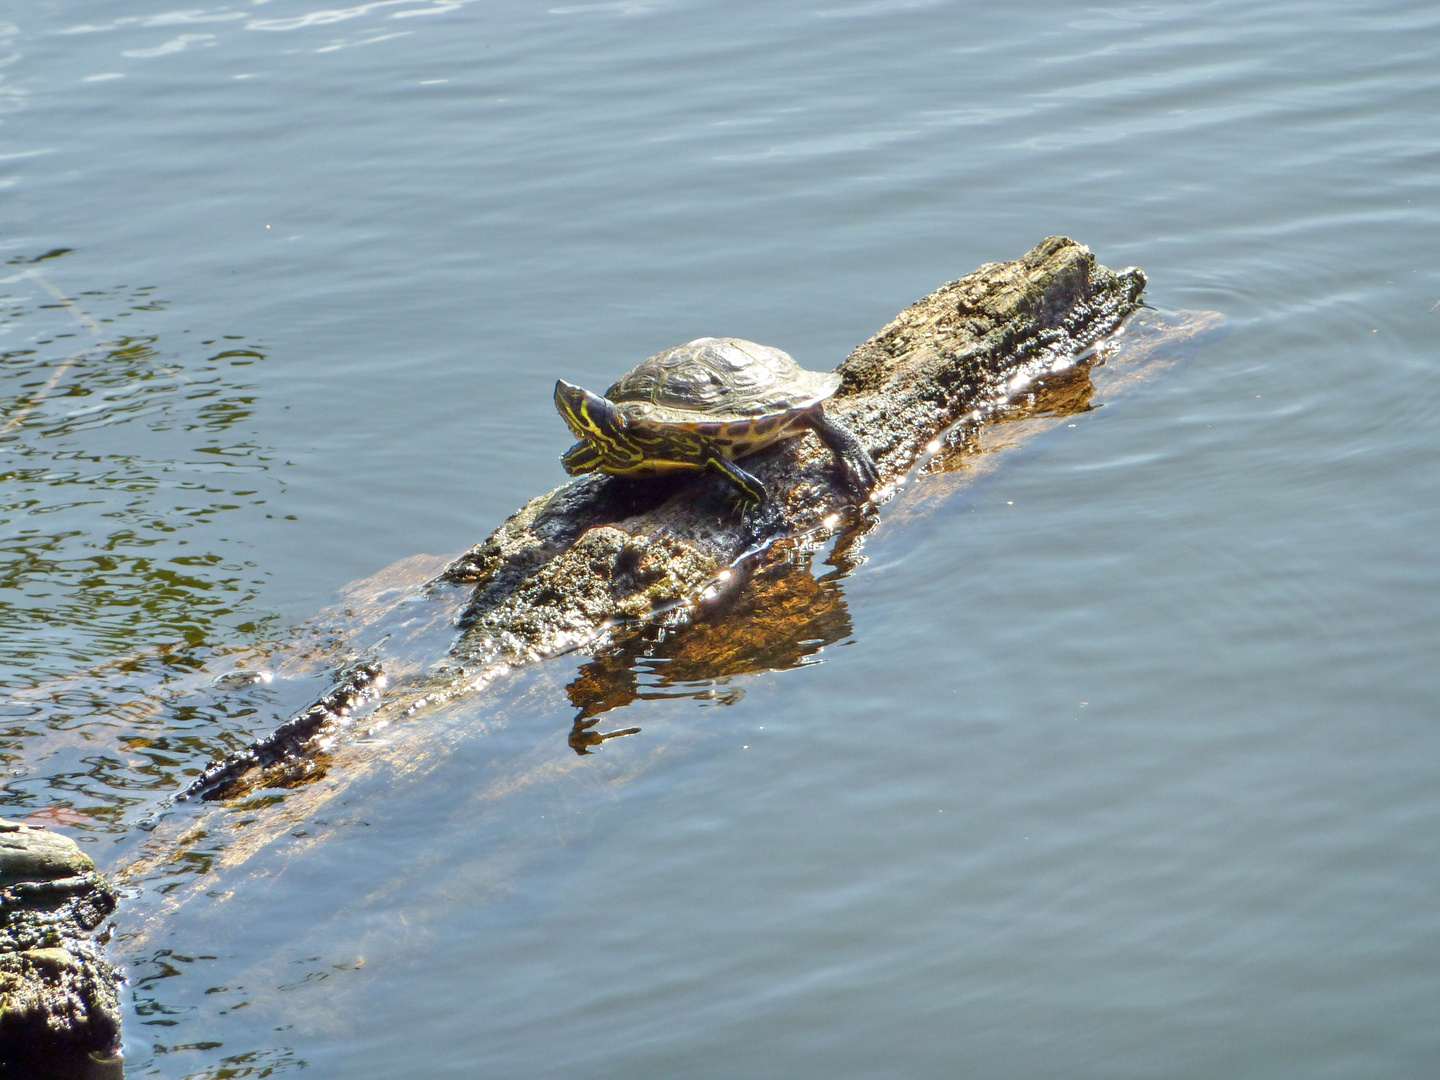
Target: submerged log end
[{"x": 286, "y": 755}]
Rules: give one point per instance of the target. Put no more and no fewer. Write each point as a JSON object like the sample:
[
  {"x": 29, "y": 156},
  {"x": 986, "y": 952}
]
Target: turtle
[{"x": 699, "y": 407}]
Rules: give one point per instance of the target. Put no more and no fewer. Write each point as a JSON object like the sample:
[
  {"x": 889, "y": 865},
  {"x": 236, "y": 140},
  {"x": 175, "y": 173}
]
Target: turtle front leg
[
  {"x": 750, "y": 492},
  {"x": 859, "y": 466}
]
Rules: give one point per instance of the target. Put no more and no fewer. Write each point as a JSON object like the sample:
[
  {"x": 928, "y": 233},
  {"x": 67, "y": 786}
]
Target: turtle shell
[{"x": 721, "y": 380}]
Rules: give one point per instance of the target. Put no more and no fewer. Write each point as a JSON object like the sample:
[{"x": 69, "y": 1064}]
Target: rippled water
[{"x": 1118, "y": 762}]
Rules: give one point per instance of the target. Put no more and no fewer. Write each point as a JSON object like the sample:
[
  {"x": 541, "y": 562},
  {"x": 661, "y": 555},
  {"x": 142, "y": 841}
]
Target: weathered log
[
  {"x": 773, "y": 613},
  {"x": 600, "y": 557},
  {"x": 59, "y": 1010}
]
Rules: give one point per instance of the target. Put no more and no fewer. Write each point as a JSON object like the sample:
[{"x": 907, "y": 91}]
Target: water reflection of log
[
  {"x": 779, "y": 619},
  {"x": 1057, "y": 394}
]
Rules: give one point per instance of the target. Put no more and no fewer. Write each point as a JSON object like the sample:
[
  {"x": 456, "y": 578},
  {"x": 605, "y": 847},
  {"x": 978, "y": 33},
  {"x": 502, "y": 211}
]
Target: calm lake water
[{"x": 1123, "y": 762}]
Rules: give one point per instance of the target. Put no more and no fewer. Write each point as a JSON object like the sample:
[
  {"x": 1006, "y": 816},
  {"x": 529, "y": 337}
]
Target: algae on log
[
  {"x": 59, "y": 1009},
  {"x": 600, "y": 556}
]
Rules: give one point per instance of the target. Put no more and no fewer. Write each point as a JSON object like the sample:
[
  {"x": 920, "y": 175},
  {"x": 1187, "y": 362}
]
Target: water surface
[{"x": 1118, "y": 763}]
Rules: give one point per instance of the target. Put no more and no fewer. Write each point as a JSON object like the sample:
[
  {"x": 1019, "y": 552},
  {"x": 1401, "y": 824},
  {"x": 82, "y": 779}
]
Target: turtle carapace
[{"x": 702, "y": 406}]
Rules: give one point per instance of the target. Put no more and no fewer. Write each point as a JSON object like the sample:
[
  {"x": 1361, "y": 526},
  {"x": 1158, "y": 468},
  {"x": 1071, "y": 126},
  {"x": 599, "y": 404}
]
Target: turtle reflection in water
[{"x": 701, "y": 406}]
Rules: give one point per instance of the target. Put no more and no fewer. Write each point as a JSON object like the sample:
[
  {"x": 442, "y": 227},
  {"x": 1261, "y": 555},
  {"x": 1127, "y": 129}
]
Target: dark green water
[{"x": 1122, "y": 763}]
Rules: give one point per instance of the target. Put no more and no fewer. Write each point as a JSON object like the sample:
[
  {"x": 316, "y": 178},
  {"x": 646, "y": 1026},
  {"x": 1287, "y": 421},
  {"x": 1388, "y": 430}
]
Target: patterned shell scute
[{"x": 718, "y": 379}]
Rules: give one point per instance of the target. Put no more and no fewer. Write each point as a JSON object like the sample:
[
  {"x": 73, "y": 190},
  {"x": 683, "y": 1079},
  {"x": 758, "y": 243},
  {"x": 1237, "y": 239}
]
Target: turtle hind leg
[
  {"x": 859, "y": 466},
  {"x": 749, "y": 491}
]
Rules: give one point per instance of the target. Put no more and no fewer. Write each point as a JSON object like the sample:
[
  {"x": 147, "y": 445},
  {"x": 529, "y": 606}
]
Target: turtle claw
[
  {"x": 859, "y": 467},
  {"x": 746, "y": 491},
  {"x": 860, "y": 470},
  {"x": 743, "y": 505}
]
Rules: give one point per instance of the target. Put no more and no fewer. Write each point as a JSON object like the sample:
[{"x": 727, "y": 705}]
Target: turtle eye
[
  {"x": 587, "y": 415},
  {"x": 602, "y": 417}
]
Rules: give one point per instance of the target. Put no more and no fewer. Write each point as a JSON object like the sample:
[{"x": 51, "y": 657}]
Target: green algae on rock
[{"x": 59, "y": 1010}]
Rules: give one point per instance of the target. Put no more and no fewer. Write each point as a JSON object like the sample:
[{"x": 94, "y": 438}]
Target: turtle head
[{"x": 597, "y": 424}]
